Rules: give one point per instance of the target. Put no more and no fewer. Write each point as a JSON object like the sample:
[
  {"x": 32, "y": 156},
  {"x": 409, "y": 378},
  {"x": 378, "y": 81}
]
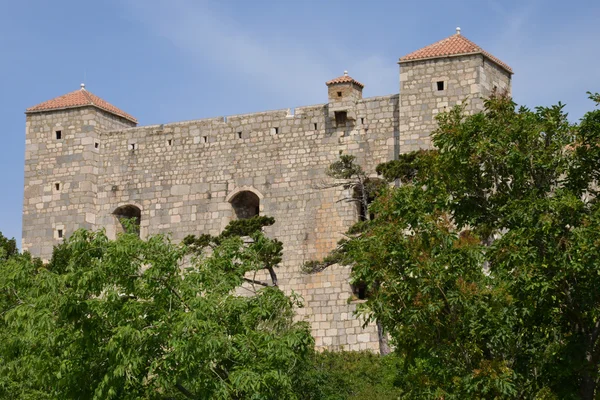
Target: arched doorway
[
  {"x": 246, "y": 204},
  {"x": 129, "y": 217}
]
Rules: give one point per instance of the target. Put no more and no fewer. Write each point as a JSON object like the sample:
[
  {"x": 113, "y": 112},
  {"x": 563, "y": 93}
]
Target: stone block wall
[
  {"x": 421, "y": 99},
  {"x": 183, "y": 176}
]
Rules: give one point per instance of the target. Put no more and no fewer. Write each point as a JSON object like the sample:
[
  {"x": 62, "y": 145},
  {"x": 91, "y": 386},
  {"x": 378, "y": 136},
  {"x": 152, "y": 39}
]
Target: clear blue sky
[{"x": 165, "y": 61}]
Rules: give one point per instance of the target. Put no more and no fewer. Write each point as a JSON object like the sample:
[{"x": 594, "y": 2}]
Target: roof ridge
[{"x": 87, "y": 95}]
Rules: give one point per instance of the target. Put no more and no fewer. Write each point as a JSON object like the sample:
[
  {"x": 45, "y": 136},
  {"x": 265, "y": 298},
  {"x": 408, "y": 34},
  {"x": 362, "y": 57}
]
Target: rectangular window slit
[
  {"x": 340, "y": 118},
  {"x": 96, "y": 145},
  {"x": 58, "y": 135},
  {"x": 362, "y": 121},
  {"x": 57, "y": 186},
  {"x": 170, "y": 142},
  {"x": 440, "y": 85},
  {"x": 274, "y": 131},
  {"x": 60, "y": 233},
  {"x": 239, "y": 135},
  {"x": 132, "y": 146},
  {"x": 339, "y": 94},
  {"x": 315, "y": 126},
  {"x": 205, "y": 139}
]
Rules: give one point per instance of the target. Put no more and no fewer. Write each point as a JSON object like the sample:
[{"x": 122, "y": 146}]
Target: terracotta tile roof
[
  {"x": 454, "y": 45},
  {"x": 79, "y": 98},
  {"x": 344, "y": 79}
]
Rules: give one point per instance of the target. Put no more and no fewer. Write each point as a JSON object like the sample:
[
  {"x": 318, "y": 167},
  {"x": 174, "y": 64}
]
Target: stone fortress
[{"x": 88, "y": 164}]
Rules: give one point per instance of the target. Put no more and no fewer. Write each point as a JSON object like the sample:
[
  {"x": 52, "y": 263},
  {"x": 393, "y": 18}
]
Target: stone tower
[
  {"x": 441, "y": 75},
  {"x": 62, "y": 145}
]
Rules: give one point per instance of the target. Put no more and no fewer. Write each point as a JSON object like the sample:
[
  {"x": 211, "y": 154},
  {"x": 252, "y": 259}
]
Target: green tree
[
  {"x": 8, "y": 247},
  {"x": 147, "y": 319},
  {"x": 348, "y": 174},
  {"x": 488, "y": 256}
]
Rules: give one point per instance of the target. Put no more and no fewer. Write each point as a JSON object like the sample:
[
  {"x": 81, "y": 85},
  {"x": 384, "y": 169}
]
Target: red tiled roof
[
  {"x": 79, "y": 98},
  {"x": 344, "y": 79},
  {"x": 454, "y": 45}
]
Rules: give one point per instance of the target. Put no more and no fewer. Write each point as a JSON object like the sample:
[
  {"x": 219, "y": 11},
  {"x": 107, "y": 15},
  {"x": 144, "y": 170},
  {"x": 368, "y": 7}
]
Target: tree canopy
[
  {"x": 147, "y": 319},
  {"x": 483, "y": 264}
]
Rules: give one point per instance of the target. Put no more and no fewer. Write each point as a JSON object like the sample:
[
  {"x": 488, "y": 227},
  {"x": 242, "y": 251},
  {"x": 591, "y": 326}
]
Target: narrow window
[
  {"x": 362, "y": 121},
  {"x": 170, "y": 142},
  {"x": 339, "y": 94},
  {"x": 274, "y": 131},
  {"x": 131, "y": 146},
  {"x": 440, "y": 85},
  {"x": 315, "y": 126},
  {"x": 340, "y": 118},
  {"x": 96, "y": 145},
  {"x": 60, "y": 233},
  {"x": 58, "y": 135},
  {"x": 239, "y": 135},
  {"x": 57, "y": 186},
  {"x": 205, "y": 139}
]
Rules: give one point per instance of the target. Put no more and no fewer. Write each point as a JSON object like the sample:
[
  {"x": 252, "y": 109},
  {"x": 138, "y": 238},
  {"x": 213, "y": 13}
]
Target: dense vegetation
[
  {"x": 484, "y": 263},
  {"x": 481, "y": 264}
]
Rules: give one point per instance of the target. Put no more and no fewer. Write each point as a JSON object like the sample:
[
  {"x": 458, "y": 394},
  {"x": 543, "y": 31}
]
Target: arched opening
[
  {"x": 370, "y": 188},
  {"x": 245, "y": 204},
  {"x": 129, "y": 217}
]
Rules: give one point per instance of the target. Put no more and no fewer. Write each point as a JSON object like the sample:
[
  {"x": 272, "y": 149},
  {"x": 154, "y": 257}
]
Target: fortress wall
[{"x": 183, "y": 188}]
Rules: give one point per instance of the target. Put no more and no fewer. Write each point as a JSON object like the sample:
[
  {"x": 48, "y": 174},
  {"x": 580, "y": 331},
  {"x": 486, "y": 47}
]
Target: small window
[
  {"x": 341, "y": 118},
  {"x": 359, "y": 290},
  {"x": 170, "y": 142},
  {"x": 59, "y": 233},
  {"x": 440, "y": 85},
  {"x": 239, "y": 135},
  {"x": 339, "y": 94},
  {"x": 96, "y": 145},
  {"x": 132, "y": 146},
  {"x": 362, "y": 121},
  {"x": 58, "y": 135},
  {"x": 275, "y": 131},
  {"x": 315, "y": 126},
  {"x": 205, "y": 139},
  {"x": 57, "y": 186}
]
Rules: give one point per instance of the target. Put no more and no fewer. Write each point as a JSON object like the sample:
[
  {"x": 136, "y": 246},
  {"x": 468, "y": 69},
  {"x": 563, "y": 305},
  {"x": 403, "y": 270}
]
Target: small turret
[{"x": 343, "y": 93}]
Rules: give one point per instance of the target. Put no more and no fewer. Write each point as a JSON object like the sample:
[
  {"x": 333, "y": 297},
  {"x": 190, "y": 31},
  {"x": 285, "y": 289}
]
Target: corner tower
[
  {"x": 62, "y": 157},
  {"x": 441, "y": 75}
]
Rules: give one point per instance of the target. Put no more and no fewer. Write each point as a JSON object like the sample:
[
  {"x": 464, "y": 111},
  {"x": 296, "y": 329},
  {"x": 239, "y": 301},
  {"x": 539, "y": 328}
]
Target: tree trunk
[
  {"x": 588, "y": 387},
  {"x": 384, "y": 347}
]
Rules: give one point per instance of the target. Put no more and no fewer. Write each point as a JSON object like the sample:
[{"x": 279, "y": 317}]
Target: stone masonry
[{"x": 86, "y": 160}]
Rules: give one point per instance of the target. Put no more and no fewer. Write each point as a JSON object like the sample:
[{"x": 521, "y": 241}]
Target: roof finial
[
  {"x": 345, "y": 73},
  {"x": 458, "y": 30},
  {"x": 83, "y": 86}
]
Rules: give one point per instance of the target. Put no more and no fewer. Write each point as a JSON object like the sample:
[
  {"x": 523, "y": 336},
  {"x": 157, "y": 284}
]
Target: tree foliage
[
  {"x": 145, "y": 319},
  {"x": 8, "y": 247},
  {"x": 487, "y": 256}
]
